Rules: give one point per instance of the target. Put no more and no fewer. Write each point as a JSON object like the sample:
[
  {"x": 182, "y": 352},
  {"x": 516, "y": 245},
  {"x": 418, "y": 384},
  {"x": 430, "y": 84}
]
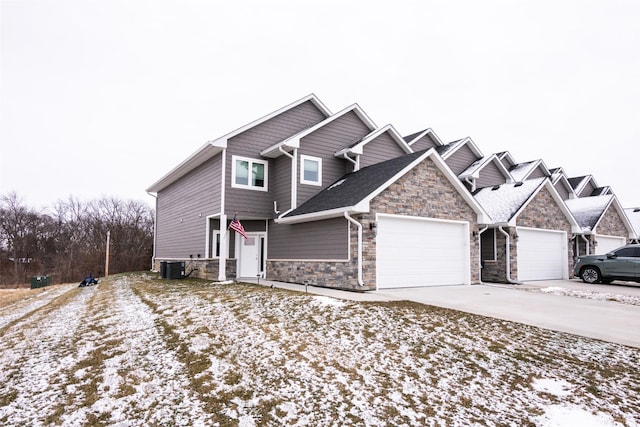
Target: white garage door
[
  {"x": 542, "y": 254},
  {"x": 421, "y": 252},
  {"x": 608, "y": 243}
]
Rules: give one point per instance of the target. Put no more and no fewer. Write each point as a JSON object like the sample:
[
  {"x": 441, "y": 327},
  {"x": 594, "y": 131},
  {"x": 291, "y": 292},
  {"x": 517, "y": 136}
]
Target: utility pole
[{"x": 106, "y": 261}]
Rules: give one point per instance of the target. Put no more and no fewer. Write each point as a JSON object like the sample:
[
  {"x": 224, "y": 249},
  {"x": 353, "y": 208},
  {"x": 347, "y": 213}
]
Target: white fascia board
[
  {"x": 204, "y": 153},
  {"x": 623, "y": 215},
  {"x": 274, "y": 151},
  {"x": 317, "y": 216},
  {"x": 393, "y": 133},
  {"x": 294, "y": 140},
  {"x": 465, "y": 141}
]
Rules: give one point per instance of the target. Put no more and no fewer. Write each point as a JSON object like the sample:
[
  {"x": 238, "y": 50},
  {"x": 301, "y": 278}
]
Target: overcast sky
[{"x": 105, "y": 97}]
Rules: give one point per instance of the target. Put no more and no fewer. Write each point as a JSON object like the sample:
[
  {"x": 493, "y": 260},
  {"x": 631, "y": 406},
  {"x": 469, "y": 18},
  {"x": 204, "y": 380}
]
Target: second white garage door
[
  {"x": 608, "y": 243},
  {"x": 415, "y": 252},
  {"x": 542, "y": 254}
]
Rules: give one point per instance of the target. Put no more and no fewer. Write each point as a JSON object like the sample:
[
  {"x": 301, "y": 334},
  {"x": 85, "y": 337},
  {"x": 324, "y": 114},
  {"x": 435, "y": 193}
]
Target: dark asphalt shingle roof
[{"x": 353, "y": 187}]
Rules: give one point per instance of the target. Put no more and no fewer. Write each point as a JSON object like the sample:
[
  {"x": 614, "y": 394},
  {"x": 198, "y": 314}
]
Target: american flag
[{"x": 237, "y": 227}]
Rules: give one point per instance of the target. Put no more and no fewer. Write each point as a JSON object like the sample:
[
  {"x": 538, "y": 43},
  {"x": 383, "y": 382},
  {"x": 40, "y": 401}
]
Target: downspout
[
  {"x": 587, "y": 243},
  {"x": 508, "y": 256},
  {"x": 357, "y": 224},
  {"x": 356, "y": 164},
  {"x": 294, "y": 188},
  {"x": 480, "y": 231},
  {"x": 155, "y": 225},
  {"x": 224, "y": 242}
]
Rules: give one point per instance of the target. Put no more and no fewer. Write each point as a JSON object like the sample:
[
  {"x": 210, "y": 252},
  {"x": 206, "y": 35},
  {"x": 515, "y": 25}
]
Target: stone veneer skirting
[{"x": 333, "y": 274}]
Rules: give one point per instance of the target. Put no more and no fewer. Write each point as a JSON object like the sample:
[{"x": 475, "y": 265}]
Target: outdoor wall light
[{"x": 373, "y": 226}]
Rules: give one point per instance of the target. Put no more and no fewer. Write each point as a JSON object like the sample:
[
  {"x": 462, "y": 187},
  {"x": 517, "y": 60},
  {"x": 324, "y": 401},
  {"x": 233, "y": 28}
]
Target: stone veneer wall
[
  {"x": 543, "y": 212},
  {"x": 496, "y": 270},
  {"x": 204, "y": 268},
  {"x": 611, "y": 224},
  {"x": 425, "y": 192}
]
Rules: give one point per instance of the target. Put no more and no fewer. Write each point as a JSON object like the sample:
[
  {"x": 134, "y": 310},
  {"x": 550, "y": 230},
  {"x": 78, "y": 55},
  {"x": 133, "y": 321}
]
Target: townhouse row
[{"x": 332, "y": 199}]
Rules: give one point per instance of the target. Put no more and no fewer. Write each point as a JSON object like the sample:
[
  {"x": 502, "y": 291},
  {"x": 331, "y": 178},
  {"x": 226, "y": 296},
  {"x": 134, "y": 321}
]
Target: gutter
[
  {"x": 508, "y": 256},
  {"x": 294, "y": 188},
  {"x": 357, "y": 224},
  {"x": 356, "y": 165},
  {"x": 587, "y": 243}
]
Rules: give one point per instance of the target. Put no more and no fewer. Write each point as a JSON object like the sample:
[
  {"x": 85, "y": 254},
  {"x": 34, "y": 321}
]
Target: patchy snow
[
  {"x": 502, "y": 203},
  {"x": 570, "y": 415},
  {"x": 138, "y": 351},
  {"x": 577, "y": 293},
  {"x": 588, "y": 210},
  {"x": 560, "y": 388}
]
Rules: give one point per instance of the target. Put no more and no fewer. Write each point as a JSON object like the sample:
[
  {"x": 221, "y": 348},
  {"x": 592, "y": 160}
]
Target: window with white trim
[
  {"x": 249, "y": 173},
  {"x": 310, "y": 170}
]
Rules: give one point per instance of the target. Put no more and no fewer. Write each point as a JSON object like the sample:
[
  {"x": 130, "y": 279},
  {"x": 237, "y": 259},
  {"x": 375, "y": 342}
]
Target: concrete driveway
[{"x": 594, "y": 315}]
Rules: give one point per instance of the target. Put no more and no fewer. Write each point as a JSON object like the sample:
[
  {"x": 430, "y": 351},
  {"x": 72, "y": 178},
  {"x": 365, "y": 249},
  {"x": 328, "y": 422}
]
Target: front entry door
[{"x": 251, "y": 255}]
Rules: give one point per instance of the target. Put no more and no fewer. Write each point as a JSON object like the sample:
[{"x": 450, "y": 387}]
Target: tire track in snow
[{"x": 22, "y": 308}]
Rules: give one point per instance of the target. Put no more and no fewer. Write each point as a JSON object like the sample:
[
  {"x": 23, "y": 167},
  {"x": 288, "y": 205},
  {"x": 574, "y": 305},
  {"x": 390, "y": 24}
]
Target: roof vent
[
  {"x": 337, "y": 183},
  {"x": 495, "y": 187},
  {"x": 636, "y": 210},
  {"x": 518, "y": 184}
]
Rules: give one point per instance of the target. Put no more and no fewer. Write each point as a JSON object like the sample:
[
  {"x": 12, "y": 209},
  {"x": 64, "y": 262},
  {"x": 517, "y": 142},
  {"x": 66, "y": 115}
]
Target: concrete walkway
[{"x": 604, "y": 320}]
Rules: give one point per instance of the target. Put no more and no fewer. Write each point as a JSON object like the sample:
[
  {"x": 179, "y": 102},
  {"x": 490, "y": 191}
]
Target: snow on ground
[
  {"x": 139, "y": 351},
  {"x": 577, "y": 293}
]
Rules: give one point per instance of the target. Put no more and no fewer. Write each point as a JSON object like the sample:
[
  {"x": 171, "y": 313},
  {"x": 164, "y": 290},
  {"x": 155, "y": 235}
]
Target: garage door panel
[
  {"x": 419, "y": 252},
  {"x": 608, "y": 243},
  {"x": 542, "y": 254}
]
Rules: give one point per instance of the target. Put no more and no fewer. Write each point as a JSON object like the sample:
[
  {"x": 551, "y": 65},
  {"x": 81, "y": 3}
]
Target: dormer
[
  {"x": 583, "y": 186},
  {"x": 560, "y": 182},
  {"x": 378, "y": 146},
  {"x": 423, "y": 140},
  {"x": 507, "y": 159},
  {"x": 458, "y": 155},
  {"x": 529, "y": 170},
  {"x": 485, "y": 172}
]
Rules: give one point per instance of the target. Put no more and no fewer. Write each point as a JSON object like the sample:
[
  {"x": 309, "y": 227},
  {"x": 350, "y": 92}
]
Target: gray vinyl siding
[
  {"x": 182, "y": 211},
  {"x": 323, "y": 143},
  {"x": 490, "y": 175},
  {"x": 461, "y": 159},
  {"x": 537, "y": 173},
  {"x": 318, "y": 240},
  {"x": 561, "y": 188},
  {"x": 506, "y": 163},
  {"x": 423, "y": 143},
  {"x": 259, "y": 204},
  {"x": 587, "y": 190},
  {"x": 280, "y": 183},
  {"x": 380, "y": 149}
]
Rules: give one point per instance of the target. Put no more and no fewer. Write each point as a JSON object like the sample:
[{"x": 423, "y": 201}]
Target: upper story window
[
  {"x": 310, "y": 170},
  {"x": 249, "y": 173}
]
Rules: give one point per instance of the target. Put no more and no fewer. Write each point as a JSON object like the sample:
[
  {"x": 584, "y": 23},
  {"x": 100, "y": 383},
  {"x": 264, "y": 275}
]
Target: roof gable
[
  {"x": 353, "y": 192},
  {"x": 214, "y": 147},
  {"x": 294, "y": 141},
  {"x": 588, "y": 210},
  {"x": 505, "y": 202},
  {"x": 633, "y": 215},
  {"x": 526, "y": 170},
  {"x": 358, "y": 146},
  {"x": 580, "y": 182},
  {"x": 418, "y": 139},
  {"x": 475, "y": 169},
  {"x": 451, "y": 148}
]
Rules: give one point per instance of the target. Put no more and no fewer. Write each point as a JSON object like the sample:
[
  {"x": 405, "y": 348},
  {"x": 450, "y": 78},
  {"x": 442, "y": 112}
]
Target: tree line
[{"x": 69, "y": 239}]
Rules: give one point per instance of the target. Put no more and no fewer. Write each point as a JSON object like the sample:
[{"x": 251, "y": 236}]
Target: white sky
[{"x": 105, "y": 97}]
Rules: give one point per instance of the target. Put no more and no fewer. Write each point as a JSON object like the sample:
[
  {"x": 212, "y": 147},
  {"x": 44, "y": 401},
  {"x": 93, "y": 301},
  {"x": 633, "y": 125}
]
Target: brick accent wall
[
  {"x": 423, "y": 191},
  {"x": 611, "y": 224},
  {"x": 426, "y": 192},
  {"x": 542, "y": 212}
]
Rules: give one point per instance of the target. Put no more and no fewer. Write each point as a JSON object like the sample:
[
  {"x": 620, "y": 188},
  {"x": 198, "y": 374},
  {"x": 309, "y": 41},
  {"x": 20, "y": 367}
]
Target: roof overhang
[{"x": 202, "y": 155}]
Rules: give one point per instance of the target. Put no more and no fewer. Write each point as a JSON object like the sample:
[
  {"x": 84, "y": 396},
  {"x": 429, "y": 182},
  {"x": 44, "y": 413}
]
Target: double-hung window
[
  {"x": 249, "y": 173},
  {"x": 310, "y": 170}
]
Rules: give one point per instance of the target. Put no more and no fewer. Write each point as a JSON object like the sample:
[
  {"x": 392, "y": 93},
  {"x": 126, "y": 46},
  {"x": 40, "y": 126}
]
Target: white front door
[{"x": 251, "y": 255}]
